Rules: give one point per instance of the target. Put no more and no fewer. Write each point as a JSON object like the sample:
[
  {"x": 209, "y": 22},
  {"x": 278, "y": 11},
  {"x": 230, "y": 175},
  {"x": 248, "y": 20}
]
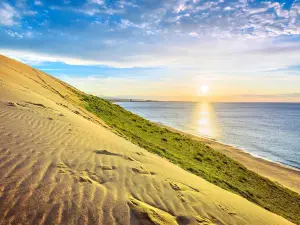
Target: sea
[{"x": 267, "y": 130}]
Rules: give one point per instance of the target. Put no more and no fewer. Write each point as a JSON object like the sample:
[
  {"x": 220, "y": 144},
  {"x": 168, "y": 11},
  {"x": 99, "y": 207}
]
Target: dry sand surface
[{"x": 59, "y": 165}]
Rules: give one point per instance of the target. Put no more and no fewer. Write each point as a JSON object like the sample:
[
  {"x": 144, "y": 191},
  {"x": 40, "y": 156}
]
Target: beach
[
  {"x": 173, "y": 112},
  {"x": 286, "y": 176},
  {"x": 65, "y": 160}
]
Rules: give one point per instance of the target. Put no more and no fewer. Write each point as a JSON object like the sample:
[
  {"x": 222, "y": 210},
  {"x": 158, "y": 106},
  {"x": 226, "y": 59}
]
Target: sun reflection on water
[{"x": 206, "y": 120}]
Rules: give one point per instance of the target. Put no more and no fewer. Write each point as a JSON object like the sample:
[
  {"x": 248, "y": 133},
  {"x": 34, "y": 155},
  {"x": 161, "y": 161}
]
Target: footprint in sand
[
  {"x": 181, "y": 197},
  {"x": 139, "y": 153},
  {"x": 226, "y": 209},
  {"x": 85, "y": 179},
  {"x": 105, "y": 152},
  {"x": 181, "y": 187},
  {"x": 81, "y": 176},
  {"x": 129, "y": 158},
  {"x": 140, "y": 170},
  {"x": 12, "y": 104},
  {"x": 1, "y": 190},
  {"x": 108, "y": 167},
  {"x": 198, "y": 220},
  {"x": 76, "y": 112},
  {"x": 62, "y": 105},
  {"x": 37, "y": 104},
  {"x": 204, "y": 221},
  {"x": 147, "y": 214},
  {"x": 63, "y": 168}
]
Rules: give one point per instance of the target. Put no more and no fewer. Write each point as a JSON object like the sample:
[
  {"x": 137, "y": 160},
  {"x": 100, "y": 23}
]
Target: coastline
[{"x": 286, "y": 176}]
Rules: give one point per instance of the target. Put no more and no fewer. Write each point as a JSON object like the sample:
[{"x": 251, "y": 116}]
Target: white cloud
[
  {"x": 34, "y": 58},
  {"x": 207, "y": 5},
  {"x": 228, "y": 8},
  {"x": 17, "y": 35},
  {"x": 123, "y": 4},
  {"x": 87, "y": 9},
  {"x": 193, "y": 34},
  {"x": 203, "y": 17},
  {"x": 14, "y": 34},
  {"x": 126, "y": 23},
  {"x": 210, "y": 55},
  {"x": 8, "y": 15},
  {"x": 98, "y": 2},
  {"x": 38, "y": 3},
  {"x": 180, "y": 7}
]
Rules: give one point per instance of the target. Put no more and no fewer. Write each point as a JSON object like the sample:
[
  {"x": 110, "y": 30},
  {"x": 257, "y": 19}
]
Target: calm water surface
[{"x": 267, "y": 130}]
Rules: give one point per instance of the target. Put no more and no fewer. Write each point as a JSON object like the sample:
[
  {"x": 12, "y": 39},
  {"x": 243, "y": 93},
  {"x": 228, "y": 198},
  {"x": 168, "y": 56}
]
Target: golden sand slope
[{"x": 59, "y": 165}]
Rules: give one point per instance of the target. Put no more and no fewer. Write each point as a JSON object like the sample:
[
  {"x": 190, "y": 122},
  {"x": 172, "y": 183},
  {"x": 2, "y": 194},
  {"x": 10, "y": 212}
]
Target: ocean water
[{"x": 267, "y": 130}]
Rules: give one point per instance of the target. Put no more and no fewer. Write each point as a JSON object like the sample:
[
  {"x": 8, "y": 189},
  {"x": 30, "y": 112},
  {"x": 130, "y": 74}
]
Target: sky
[{"x": 243, "y": 50}]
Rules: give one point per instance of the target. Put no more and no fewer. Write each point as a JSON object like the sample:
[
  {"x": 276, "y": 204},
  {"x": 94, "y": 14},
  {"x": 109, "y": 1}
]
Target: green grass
[{"x": 197, "y": 158}]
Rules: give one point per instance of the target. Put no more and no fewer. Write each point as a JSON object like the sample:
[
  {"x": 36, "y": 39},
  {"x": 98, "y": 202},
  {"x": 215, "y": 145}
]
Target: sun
[{"x": 204, "y": 89}]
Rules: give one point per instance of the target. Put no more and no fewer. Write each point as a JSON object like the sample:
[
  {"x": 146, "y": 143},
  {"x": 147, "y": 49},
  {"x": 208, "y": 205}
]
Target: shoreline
[
  {"x": 284, "y": 175},
  {"x": 236, "y": 148}
]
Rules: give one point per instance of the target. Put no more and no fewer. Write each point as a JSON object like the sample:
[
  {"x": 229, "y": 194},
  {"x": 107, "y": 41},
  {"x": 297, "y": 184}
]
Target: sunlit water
[{"x": 267, "y": 130}]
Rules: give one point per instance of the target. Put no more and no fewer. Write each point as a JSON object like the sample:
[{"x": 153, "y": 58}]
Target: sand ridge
[{"x": 61, "y": 165}]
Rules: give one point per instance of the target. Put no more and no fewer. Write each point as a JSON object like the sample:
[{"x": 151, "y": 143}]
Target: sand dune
[{"x": 59, "y": 164}]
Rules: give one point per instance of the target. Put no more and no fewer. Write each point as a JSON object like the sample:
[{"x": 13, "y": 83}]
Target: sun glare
[{"x": 204, "y": 89}]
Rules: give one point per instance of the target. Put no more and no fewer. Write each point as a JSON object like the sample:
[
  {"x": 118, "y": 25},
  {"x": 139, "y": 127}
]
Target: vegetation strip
[{"x": 197, "y": 158}]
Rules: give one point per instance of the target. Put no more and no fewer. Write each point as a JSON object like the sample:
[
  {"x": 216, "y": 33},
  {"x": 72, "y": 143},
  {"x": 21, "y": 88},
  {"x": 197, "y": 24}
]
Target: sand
[{"x": 60, "y": 165}]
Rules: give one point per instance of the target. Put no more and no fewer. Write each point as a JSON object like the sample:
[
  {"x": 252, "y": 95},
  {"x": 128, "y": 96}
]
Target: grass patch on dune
[{"x": 197, "y": 158}]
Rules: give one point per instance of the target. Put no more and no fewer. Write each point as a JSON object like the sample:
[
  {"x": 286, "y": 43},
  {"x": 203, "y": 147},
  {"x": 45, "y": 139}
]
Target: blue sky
[{"x": 159, "y": 49}]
